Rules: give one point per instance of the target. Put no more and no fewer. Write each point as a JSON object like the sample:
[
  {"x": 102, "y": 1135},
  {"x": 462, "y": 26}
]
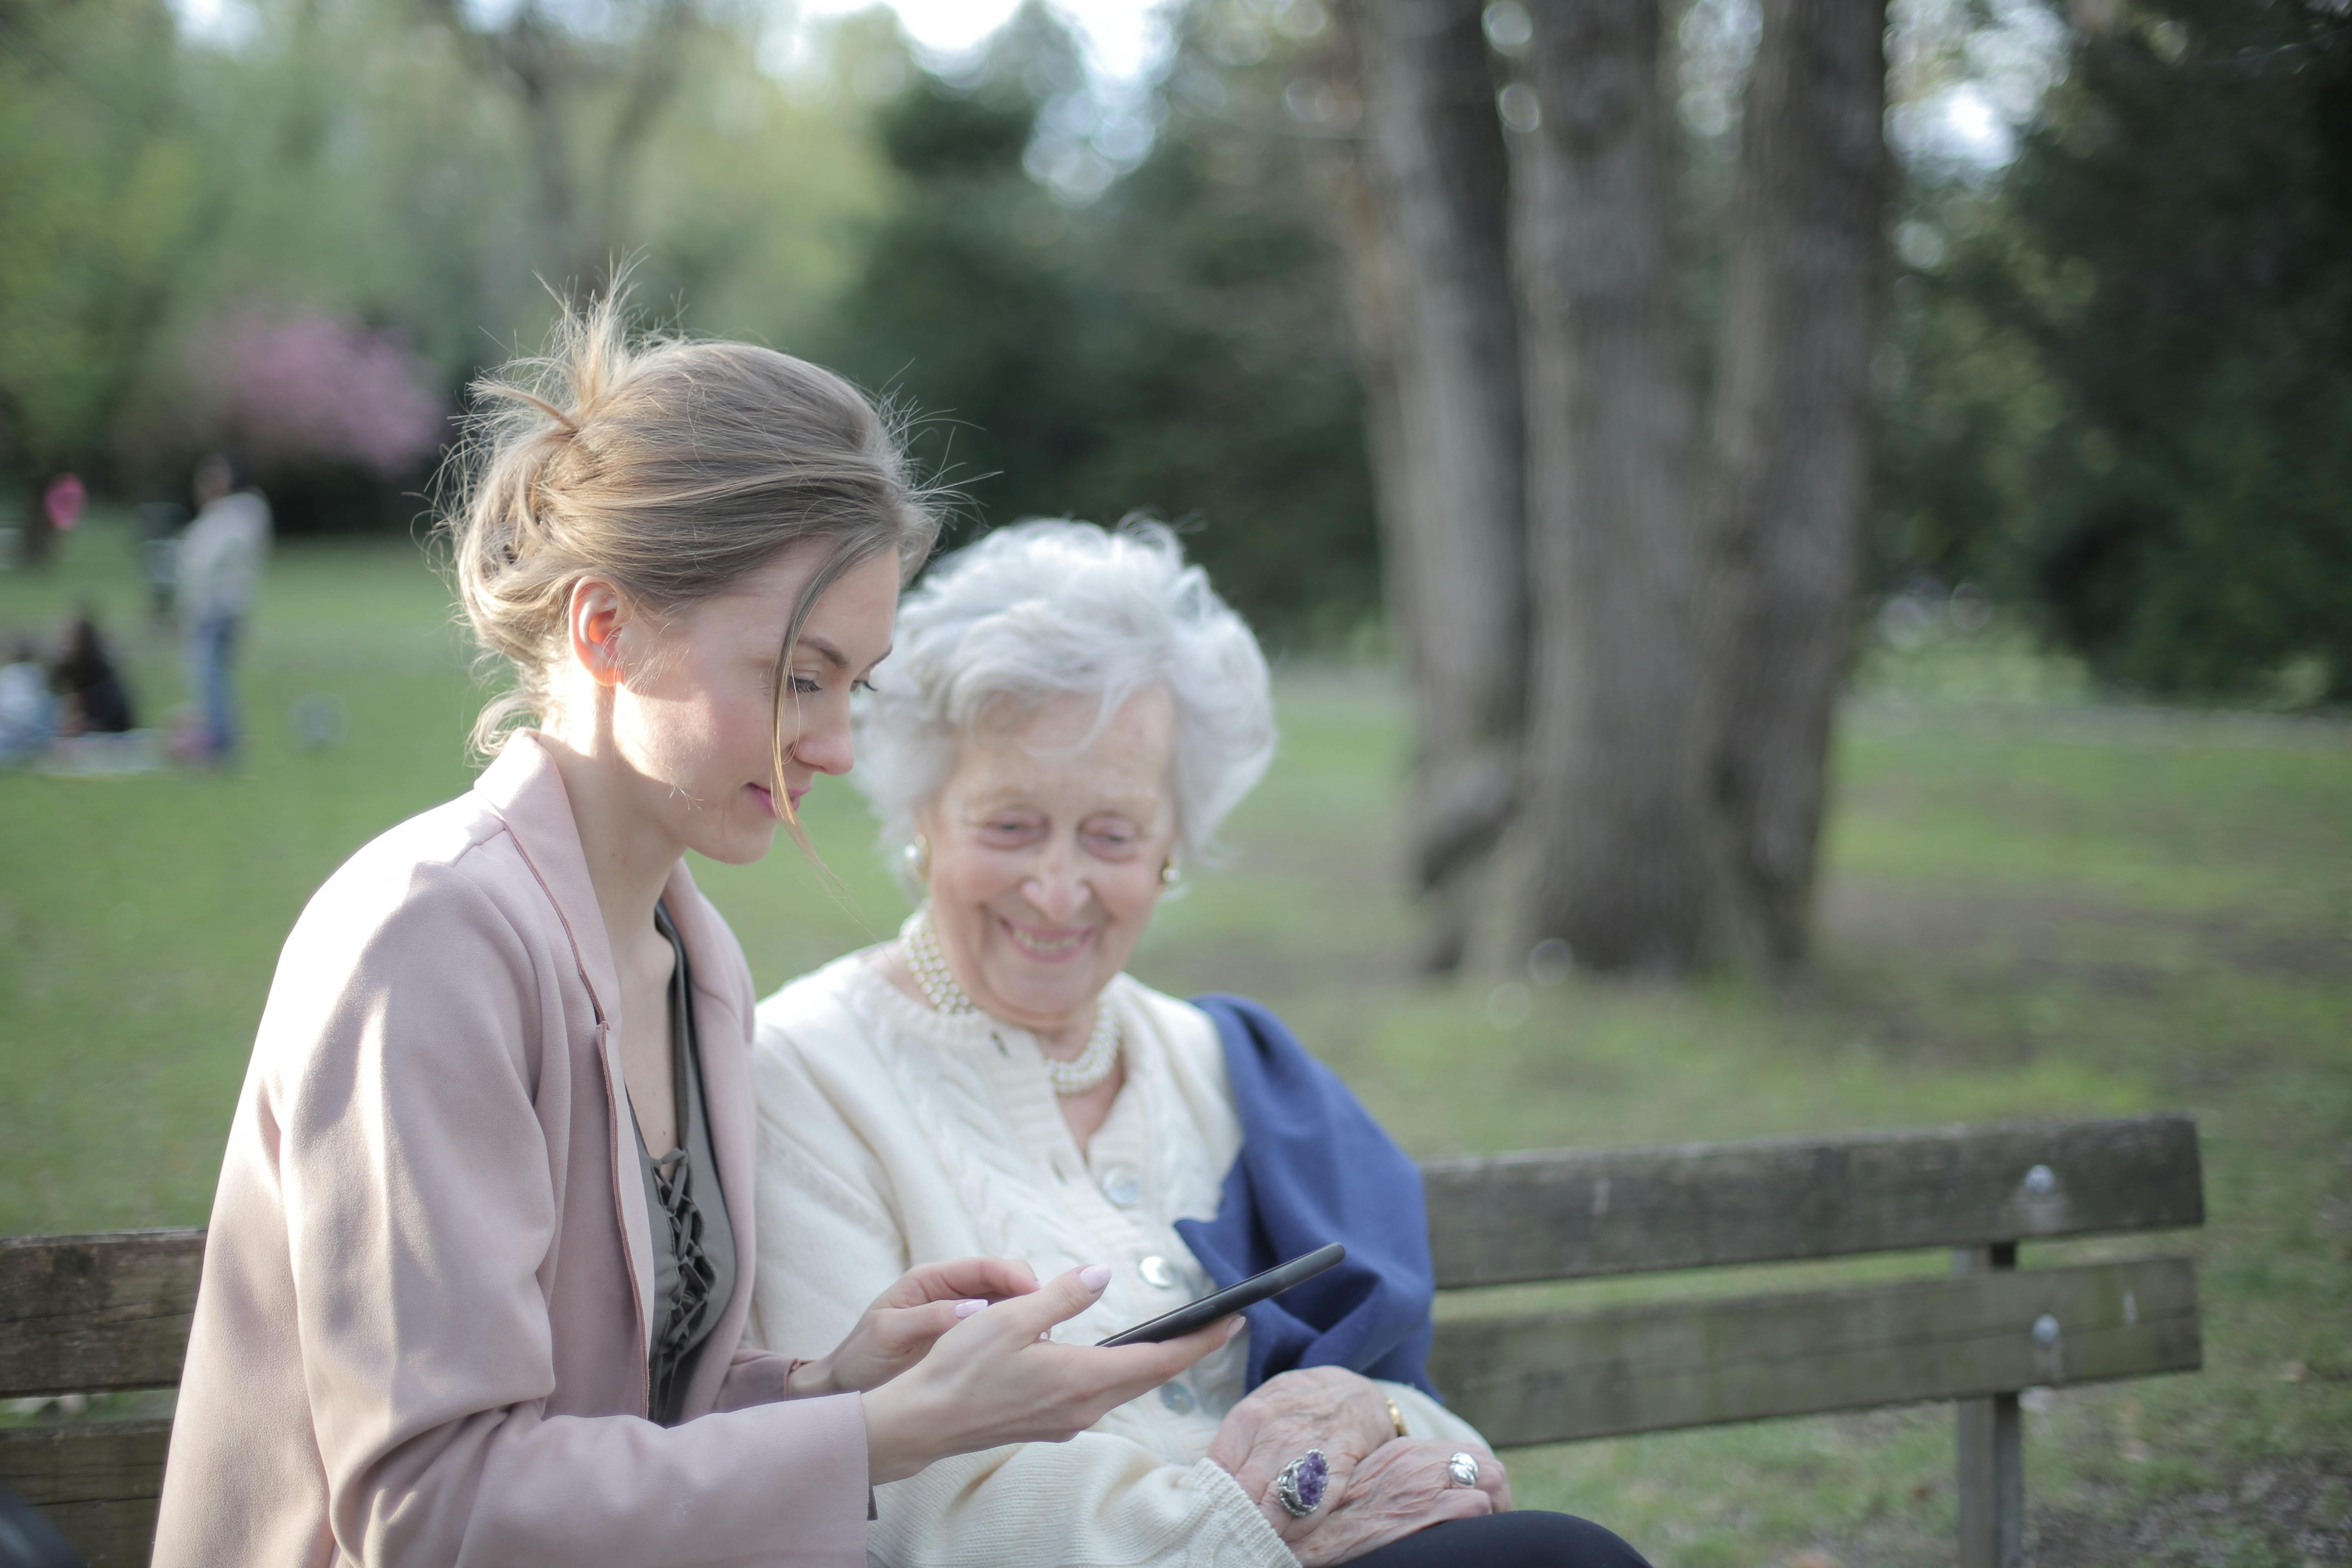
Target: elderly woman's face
[{"x": 1046, "y": 853}]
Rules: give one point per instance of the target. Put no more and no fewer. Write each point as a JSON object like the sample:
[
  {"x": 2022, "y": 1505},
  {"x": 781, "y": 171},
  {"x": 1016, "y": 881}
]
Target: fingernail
[
  {"x": 1237, "y": 1326},
  {"x": 966, "y": 1309},
  {"x": 1095, "y": 1276}
]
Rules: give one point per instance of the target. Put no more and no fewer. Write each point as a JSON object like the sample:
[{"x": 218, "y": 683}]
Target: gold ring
[{"x": 1396, "y": 1416}]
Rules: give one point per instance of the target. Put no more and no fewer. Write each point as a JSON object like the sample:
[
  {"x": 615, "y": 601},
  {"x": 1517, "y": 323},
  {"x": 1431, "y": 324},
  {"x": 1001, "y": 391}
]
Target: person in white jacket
[
  {"x": 217, "y": 571},
  {"x": 1070, "y": 715}
]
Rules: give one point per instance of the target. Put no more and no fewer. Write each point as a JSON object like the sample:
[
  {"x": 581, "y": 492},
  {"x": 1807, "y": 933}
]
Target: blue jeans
[{"x": 211, "y": 648}]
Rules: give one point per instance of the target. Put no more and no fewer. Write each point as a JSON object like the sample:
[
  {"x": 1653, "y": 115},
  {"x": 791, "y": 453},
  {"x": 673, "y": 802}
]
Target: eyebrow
[{"x": 833, "y": 654}]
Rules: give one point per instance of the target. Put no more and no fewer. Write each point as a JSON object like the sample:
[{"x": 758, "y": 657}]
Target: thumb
[{"x": 1057, "y": 1301}]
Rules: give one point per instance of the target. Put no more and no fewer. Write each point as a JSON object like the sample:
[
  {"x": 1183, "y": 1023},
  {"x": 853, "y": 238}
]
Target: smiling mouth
[{"x": 1051, "y": 947}]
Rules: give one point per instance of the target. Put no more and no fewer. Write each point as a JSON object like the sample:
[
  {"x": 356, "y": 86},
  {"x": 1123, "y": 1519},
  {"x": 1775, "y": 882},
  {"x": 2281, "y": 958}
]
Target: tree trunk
[
  {"x": 1618, "y": 719},
  {"x": 1792, "y": 444},
  {"x": 1448, "y": 446}
]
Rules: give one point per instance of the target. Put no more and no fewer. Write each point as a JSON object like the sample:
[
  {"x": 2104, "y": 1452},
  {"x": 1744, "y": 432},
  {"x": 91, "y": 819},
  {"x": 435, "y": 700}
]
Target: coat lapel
[{"x": 527, "y": 791}]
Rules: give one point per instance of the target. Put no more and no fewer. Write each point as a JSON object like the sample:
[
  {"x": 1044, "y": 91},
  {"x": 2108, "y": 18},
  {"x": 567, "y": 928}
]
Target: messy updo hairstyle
[{"x": 670, "y": 469}]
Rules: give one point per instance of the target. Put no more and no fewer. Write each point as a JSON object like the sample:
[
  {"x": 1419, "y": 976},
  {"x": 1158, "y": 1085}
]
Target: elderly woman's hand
[
  {"x": 1342, "y": 1413},
  {"x": 1404, "y": 1487},
  {"x": 907, "y": 1320}
]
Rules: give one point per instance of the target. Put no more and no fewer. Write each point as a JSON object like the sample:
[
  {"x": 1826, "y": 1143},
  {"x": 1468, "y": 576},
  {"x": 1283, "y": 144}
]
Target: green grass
[{"x": 2035, "y": 906}]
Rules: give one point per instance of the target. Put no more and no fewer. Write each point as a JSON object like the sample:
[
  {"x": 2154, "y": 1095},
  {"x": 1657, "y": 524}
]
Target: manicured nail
[
  {"x": 1237, "y": 1326},
  {"x": 966, "y": 1309},
  {"x": 1095, "y": 1276}
]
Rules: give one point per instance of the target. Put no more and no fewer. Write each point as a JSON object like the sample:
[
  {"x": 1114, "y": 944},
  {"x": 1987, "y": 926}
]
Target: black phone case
[{"x": 1249, "y": 1292}]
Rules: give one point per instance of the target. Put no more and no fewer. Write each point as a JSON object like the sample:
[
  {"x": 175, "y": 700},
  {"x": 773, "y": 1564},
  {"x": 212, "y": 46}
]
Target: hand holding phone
[{"x": 1249, "y": 1292}]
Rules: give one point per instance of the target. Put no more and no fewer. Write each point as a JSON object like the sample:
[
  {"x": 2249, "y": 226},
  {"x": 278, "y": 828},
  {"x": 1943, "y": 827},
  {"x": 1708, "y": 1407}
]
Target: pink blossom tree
[{"x": 299, "y": 389}]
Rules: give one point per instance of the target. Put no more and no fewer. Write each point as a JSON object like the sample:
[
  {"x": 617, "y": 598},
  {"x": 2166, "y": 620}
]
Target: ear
[{"x": 595, "y": 618}]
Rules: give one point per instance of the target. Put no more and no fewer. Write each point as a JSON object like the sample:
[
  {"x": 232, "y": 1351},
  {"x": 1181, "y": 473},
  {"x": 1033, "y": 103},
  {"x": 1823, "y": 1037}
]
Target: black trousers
[{"x": 1529, "y": 1539}]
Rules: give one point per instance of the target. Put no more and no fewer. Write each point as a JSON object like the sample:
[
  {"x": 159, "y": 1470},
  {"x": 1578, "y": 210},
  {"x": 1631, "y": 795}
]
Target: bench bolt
[{"x": 2040, "y": 1180}]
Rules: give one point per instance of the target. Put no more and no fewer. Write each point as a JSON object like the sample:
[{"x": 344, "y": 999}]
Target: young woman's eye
[
  {"x": 861, "y": 686},
  {"x": 804, "y": 686}
]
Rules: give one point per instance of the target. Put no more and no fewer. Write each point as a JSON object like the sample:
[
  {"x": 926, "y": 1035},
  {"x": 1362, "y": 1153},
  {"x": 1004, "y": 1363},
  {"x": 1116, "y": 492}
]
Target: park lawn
[{"x": 2030, "y": 910}]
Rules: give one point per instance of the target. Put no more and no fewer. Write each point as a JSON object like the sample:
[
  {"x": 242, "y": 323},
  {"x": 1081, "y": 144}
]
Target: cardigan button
[
  {"x": 1176, "y": 1398},
  {"x": 1123, "y": 1186},
  {"x": 1158, "y": 1273}
]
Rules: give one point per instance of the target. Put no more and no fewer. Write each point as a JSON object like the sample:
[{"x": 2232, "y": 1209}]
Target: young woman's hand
[
  {"x": 995, "y": 1378},
  {"x": 907, "y": 1320},
  {"x": 1404, "y": 1487},
  {"x": 1340, "y": 1412}
]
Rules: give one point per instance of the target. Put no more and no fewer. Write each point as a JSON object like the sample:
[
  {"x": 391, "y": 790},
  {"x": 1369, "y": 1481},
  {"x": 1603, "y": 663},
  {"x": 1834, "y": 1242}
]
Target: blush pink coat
[{"x": 421, "y": 1336}]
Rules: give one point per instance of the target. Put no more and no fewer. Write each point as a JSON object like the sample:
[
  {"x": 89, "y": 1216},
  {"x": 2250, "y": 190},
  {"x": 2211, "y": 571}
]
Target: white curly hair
[{"x": 1041, "y": 609}]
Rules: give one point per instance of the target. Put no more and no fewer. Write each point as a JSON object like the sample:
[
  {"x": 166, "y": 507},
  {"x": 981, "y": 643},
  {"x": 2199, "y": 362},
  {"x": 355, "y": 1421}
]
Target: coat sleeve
[
  {"x": 421, "y": 1211},
  {"x": 829, "y": 1245}
]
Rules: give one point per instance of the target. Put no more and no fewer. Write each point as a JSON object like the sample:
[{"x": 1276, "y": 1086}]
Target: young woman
[{"x": 480, "y": 1259}]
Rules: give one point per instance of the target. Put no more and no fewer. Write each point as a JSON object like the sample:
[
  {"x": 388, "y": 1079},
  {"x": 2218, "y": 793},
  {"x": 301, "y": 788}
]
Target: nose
[
  {"x": 1054, "y": 887},
  {"x": 824, "y": 743}
]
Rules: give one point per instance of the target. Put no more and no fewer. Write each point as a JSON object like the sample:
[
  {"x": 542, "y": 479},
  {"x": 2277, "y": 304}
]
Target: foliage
[
  {"x": 365, "y": 162},
  {"x": 103, "y": 188},
  {"x": 1173, "y": 345},
  {"x": 2129, "y": 388}
]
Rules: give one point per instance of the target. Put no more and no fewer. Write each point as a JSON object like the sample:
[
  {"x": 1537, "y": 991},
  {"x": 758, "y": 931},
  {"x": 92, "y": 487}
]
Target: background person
[
  {"x": 478, "y": 1272},
  {"x": 219, "y": 567},
  {"x": 94, "y": 699},
  {"x": 1069, "y": 717},
  {"x": 28, "y": 710}
]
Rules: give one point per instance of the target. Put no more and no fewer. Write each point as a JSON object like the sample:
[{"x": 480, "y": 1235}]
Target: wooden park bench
[{"x": 110, "y": 1312}]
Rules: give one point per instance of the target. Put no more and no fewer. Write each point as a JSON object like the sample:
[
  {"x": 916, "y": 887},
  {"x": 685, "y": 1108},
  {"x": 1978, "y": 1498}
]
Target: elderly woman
[{"x": 1070, "y": 715}]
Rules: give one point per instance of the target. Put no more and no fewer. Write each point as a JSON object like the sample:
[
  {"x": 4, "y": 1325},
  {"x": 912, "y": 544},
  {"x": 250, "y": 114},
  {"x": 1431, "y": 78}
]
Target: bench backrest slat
[
  {"x": 1561, "y": 1376},
  {"x": 1573, "y": 1214},
  {"x": 83, "y": 1314}
]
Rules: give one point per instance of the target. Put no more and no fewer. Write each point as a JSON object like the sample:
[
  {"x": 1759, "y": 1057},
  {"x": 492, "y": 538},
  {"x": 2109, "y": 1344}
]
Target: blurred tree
[
  {"x": 1165, "y": 341},
  {"x": 102, "y": 193},
  {"x": 1690, "y": 604},
  {"x": 1792, "y": 452},
  {"x": 1617, "y": 744},
  {"x": 2127, "y": 394},
  {"x": 1438, "y": 341},
  {"x": 339, "y": 160}
]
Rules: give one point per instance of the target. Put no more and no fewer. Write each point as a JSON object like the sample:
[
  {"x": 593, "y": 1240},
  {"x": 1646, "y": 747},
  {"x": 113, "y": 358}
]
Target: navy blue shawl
[{"x": 1313, "y": 1168}]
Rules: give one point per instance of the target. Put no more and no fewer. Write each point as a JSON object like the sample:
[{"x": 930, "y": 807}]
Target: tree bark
[
  {"x": 1447, "y": 430},
  {"x": 1792, "y": 443},
  {"x": 1619, "y": 720}
]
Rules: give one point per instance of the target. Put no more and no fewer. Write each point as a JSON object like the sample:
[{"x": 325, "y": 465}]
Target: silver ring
[
  {"x": 1299, "y": 1487},
  {"x": 1463, "y": 1469}
]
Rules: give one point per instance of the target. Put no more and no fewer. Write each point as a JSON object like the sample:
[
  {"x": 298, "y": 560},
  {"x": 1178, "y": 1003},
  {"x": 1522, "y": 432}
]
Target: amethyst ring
[{"x": 1299, "y": 1487}]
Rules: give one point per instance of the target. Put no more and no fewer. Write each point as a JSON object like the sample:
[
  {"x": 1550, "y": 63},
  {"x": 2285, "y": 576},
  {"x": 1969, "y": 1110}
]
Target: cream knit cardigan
[{"x": 891, "y": 1134}]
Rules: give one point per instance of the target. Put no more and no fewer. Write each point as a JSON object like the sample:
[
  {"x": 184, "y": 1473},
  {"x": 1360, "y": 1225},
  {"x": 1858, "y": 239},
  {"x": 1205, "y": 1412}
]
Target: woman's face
[
  {"x": 693, "y": 722},
  {"x": 1047, "y": 854}
]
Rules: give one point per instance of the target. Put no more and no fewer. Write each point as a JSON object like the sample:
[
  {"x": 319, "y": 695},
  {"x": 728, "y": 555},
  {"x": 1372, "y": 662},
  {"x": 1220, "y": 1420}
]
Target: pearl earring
[
  {"x": 917, "y": 856},
  {"x": 1171, "y": 873}
]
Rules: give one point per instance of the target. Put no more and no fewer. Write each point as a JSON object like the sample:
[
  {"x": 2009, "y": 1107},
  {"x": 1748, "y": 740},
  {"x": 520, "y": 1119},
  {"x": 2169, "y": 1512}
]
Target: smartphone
[{"x": 1200, "y": 1314}]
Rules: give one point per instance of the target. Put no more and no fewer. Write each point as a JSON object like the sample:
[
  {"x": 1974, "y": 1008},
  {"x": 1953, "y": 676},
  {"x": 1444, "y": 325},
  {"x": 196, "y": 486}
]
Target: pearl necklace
[{"x": 1089, "y": 1070}]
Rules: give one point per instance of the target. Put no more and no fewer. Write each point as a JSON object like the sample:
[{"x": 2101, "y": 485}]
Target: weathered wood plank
[
  {"x": 1572, "y": 1214},
  {"x": 1554, "y": 1378},
  {"x": 97, "y": 1483},
  {"x": 86, "y": 1313}
]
